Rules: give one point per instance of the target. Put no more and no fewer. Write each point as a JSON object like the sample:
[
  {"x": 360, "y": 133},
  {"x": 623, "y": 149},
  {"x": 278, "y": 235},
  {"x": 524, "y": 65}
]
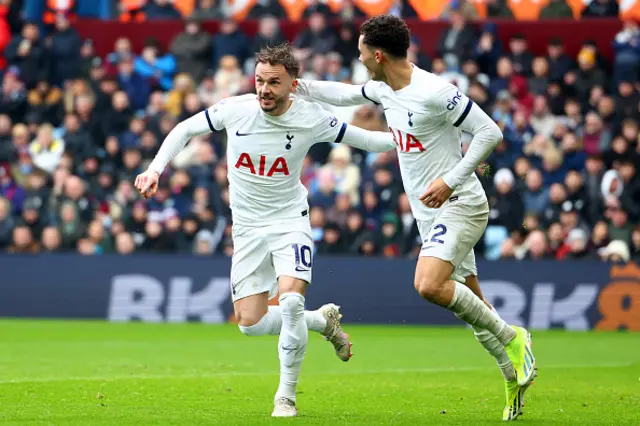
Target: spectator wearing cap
[
  {"x": 556, "y": 9},
  {"x": 588, "y": 75},
  {"x": 161, "y": 9},
  {"x": 66, "y": 62},
  {"x": 390, "y": 235},
  {"x": 192, "y": 50},
  {"x": 154, "y": 66},
  {"x": 28, "y": 53},
  {"x": 13, "y": 100},
  {"x": 616, "y": 251},
  {"x": 135, "y": 85},
  {"x": 520, "y": 55},
  {"x": 46, "y": 101},
  {"x": 498, "y": 9},
  {"x": 578, "y": 243},
  {"x": 230, "y": 40},
  {"x": 505, "y": 206},
  {"x": 601, "y": 9}
]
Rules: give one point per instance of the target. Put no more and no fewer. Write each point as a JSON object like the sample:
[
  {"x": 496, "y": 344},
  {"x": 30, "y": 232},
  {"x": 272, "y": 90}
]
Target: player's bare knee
[
  {"x": 247, "y": 319},
  {"x": 428, "y": 287}
]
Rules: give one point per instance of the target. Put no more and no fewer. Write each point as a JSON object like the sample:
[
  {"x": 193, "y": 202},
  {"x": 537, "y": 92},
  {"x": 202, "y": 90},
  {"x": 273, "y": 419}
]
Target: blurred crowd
[{"x": 76, "y": 128}]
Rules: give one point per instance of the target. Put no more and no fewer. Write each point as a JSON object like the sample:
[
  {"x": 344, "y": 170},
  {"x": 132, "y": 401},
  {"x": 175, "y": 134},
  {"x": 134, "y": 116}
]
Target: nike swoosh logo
[
  {"x": 242, "y": 134},
  {"x": 299, "y": 269},
  {"x": 427, "y": 247},
  {"x": 386, "y": 109}
]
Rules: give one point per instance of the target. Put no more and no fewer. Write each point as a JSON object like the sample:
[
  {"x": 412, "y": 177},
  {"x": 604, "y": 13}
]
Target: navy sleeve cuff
[
  {"x": 366, "y": 97},
  {"x": 206, "y": 114},
  {"x": 341, "y": 133},
  {"x": 464, "y": 114}
]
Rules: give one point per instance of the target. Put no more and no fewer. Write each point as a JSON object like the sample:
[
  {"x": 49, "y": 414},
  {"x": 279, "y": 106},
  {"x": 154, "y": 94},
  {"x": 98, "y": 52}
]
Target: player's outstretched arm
[
  {"x": 368, "y": 140},
  {"x": 333, "y": 93},
  {"x": 196, "y": 125},
  {"x": 486, "y": 136}
]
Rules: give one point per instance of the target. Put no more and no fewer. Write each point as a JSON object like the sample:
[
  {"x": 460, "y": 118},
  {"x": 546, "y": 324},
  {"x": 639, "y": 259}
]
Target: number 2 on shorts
[
  {"x": 441, "y": 232},
  {"x": 303, "y": 255}
]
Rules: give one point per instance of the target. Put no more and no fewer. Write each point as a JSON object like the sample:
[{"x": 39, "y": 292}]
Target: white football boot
[
  {"x": 334, "y": 332},
  {"x": 284, "y": 407}
]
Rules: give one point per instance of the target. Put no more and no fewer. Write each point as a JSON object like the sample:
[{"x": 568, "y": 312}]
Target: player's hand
[
  {"x": 437, "y": 193},
  {"x": 147, "y": 183}
]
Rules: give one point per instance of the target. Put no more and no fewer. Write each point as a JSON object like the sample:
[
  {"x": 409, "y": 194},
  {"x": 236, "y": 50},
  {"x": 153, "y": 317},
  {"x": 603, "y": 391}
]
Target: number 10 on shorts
[{"x": 302, "y": 255}]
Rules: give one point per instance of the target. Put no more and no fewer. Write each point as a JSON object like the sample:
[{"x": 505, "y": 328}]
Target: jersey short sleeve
[
  {"x": 450, "y": 105},
  {"x": 370, "y": 91},
  {"x": 327, "y": 127},
  {"x": 218, "y": 116}
]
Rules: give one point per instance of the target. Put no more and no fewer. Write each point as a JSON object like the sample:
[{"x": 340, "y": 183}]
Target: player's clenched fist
[
  {"x": 437, "y": 193},
  {"x": 147, "y": 183}
]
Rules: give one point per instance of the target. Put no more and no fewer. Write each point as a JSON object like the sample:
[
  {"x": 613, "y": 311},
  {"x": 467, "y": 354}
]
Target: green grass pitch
[{"x": 95, "y": 373}]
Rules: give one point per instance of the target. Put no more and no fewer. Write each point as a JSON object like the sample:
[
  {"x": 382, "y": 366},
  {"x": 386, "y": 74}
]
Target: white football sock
[
  {"x": 292, "y": 344},
  {"x": 470, "y": 309},
  {"x": 496, "y": 350},
  {"x": 271, "y": 323}
]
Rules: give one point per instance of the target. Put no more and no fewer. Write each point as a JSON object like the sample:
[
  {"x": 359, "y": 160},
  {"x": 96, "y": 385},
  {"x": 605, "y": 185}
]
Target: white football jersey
[
  {"x": 265, "y": 155},
  {"x": 424, "y": 118}
]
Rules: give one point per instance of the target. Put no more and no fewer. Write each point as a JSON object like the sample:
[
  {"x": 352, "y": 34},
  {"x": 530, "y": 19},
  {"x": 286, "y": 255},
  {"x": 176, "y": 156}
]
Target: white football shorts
[
  {"x": 261, "y": 254},
  {"x": 453, "y": 233}
]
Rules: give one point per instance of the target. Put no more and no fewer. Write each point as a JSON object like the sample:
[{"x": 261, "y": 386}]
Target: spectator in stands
[
  {"x": 601, "y": 9},
  {"x": 125, "y": 244},
  {"x": 537, "y": 246},
  {"x": 65, "y": 51},
  {"x": 350, "y": 11},
  {"x": 536, "y": 197},
  {"x": 192, "y": 50},
  {"x": 268, "y": 33},
  {"x": 161, "y": 9},
  {"x": 207, "y": 10},
  {"x": 464, "y": 7},
  {"x": 154, "y": 66},
  {"x": 122, "y": 48},
  {"x": 7, "y": 221},
  {"x": 51, "y": 241},
  {"x": 46, "y": 101},
  {"x": 498, "y": 9},
  {"x": 133, "y": 84},
  {"x": 316, "y": 6},
  {"x": 556, "y": 9},
  {"x": 45, "y": 150},
  {"x": 520, "y": 56},
  {"x": 13, "y": 98},
  {"x": 488, "y": 50},
  {"x": 588, "y": 75},
  {"x": 635, "y": 243},
  {"x": 264, "y": 8},
  {"x": 317, "y": 39},
  {"x": 456, "y": 42},
  {"x": 559, "y": 62},
  {"x": 615, "y": 251},
  {"x": 506, "y": 207},
  {"x": 627, "y": 51},
  {"x": 28, "y": 53},
  {"x": 23, "y": 242},
  {"x": 230, "y": 40}
]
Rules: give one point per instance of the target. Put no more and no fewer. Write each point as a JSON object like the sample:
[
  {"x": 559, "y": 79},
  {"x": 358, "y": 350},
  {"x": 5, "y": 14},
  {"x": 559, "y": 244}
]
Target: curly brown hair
[{"x": 280, "y": 54}]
